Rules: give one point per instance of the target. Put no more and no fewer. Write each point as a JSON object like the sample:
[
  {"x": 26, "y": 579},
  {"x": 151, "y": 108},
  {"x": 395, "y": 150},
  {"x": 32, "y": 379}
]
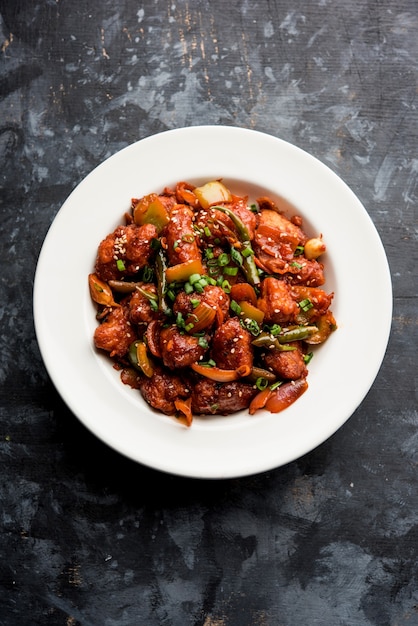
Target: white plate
[{"x": 343, "y": 369}]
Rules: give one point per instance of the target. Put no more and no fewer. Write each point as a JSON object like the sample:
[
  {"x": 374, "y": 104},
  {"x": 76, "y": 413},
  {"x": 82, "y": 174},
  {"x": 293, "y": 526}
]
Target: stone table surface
[{"x": 88, "y": 537}]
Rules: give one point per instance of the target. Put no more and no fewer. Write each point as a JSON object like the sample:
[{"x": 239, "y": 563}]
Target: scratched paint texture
[{"x": 89, "y": 538}]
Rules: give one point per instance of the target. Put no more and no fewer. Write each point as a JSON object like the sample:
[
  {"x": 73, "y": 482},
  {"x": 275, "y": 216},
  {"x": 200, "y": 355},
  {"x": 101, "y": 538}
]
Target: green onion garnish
[
  {"x": 247, "y": 252},
  {"x": 236, "y": 256},
  {"x": 226, "y": 286},
  {"x": 147, "y": 274},
  {"x": 305, "y": 304},
  {"x": 235, "y": 307},
  {"x": 251, "y": 326},
  {"x": 210, "y": 363},
  {"x": 307, "y": 358},
  {"x": 223, "y": 259},
  {"x": 194, "y": 278},
  {"x": 261, "y": 383}
]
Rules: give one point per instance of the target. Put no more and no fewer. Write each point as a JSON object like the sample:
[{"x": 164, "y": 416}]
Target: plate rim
[{"x": 235, "y": 469}]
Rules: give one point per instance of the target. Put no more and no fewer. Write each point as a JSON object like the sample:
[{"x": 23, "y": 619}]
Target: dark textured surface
[{"x": 86, "y": 536}]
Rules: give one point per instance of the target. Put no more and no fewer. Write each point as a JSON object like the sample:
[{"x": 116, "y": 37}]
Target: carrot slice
[
  {"x": 143, "y": 360},
  {"x": 201, "y": 318},
  {"x": 221, "y": 375},
  {"x": 184, "y": 406},
  {"x": 100, "y": 291},
  {"x": 285, "y": 395},
  {"x": 259, "y": 401},
  {"x": 243, "y": 291}
]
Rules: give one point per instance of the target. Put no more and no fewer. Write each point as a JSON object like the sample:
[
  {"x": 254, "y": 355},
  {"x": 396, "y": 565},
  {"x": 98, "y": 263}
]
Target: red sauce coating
[{"x": 188, "y": 346}]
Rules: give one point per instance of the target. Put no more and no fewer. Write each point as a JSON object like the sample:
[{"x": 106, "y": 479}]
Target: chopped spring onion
[
  {"x": 226, "y": 286},
  {"x": 305, "y": 304},
  {"x": 148, "y": 274},
  {"x": 180, "y": 320},
  {"x": 308, "y": 358},
  {"x": 194, "y": 278},
  {"x": 251, "y": 326},
  {"x": 261, "y": 383},
  {"x": 236, "y": 256},
  {"x": 247, "y": 252},
  {"x": 275, "y": 330},
  {"x": 223, "y": 259},
  {"x": 203, "y": 342},
  {"x": 209, "y": 363},
  {"x": 235, "y": 307}
]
